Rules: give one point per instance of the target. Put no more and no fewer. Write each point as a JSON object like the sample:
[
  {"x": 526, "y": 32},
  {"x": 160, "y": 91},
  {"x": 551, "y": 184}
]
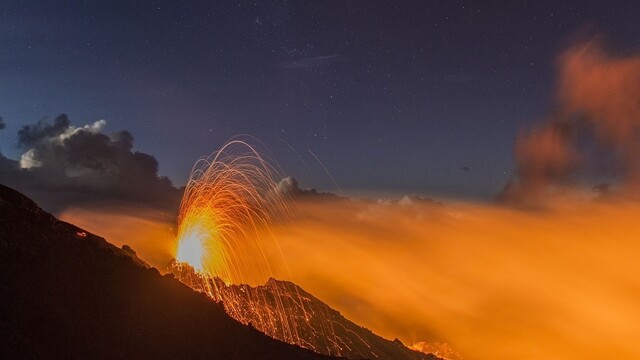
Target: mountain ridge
[
  {"x": 70, "y": 294},
  {"x": 309, "y": 322}
]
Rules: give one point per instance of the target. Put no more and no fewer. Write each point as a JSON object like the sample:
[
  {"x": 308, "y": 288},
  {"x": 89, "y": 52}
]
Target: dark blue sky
[{"x": 391, "y": 98}]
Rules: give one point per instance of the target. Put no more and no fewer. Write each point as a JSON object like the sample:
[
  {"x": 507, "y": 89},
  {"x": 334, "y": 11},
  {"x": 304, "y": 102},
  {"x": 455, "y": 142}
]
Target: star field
[{"x": 391, "y": 97}]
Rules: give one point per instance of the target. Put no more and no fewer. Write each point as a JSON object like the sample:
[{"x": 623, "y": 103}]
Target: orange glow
[
  {"x": 147, "y": 231},
  {"x": 191, "y": 250},
  {"x": 442, "y": 350},
  {"x": 228, "y": 207},
  {"x": 226, "y": 218},
  {"x": 493, "y": 282}
]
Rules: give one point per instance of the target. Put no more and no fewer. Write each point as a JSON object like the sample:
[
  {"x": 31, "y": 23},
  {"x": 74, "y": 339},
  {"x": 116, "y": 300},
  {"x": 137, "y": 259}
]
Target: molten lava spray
[
  {"x": 229, "y": 206},
  {"x": 229, "y": 202},
  {"x": 227, "y": 215}
]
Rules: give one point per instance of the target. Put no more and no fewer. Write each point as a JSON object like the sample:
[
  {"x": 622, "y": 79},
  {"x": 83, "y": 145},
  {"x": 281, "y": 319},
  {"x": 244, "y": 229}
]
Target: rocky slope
[
  {"x": 307, "y": 321},
  {"x": 69, "y": 294}
]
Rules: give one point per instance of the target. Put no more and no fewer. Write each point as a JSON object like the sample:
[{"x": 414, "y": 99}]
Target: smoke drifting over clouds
[
  {"x": 594, "y": 130},
  {"x": 63, "y": 165},
  {"x": 491, "y": 281}
]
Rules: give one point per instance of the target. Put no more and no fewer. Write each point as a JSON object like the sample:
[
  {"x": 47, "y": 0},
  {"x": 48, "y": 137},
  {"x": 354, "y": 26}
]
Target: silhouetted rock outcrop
[{"x": 68, "y": 294}]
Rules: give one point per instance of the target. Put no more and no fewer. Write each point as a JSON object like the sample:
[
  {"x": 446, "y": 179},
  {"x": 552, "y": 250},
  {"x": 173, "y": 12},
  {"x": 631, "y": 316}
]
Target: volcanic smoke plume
[{"x": 593, "y": 131}]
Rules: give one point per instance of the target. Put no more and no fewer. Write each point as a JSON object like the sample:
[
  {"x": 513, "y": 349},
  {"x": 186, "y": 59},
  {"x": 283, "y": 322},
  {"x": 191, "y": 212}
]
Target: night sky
[{"x": 413, "y": 97}]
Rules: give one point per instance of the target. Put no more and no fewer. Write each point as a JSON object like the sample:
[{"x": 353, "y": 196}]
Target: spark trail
[
  {"x": 230, "y": 202},
  {"x": 229, "y": 208},
  {"x": 225, "y": 244}
]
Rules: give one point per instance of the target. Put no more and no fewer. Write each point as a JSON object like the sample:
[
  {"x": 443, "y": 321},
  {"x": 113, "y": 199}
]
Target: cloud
[
  {"x": 290, "y": 187},
  {"x": 310, "y": 62},
  {"x": 491, "y": 281},
  {"x": 594, "y": 128},
  {"x": 31, "y": 135},
  {"x": 63, "y": 165},
  {"x": 2, "y": 123},
  {"x": 411, "y": 200}
]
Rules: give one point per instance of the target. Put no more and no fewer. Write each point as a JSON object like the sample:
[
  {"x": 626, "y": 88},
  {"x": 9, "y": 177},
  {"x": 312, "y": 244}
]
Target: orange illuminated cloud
[{"x": 596, "y": 99}]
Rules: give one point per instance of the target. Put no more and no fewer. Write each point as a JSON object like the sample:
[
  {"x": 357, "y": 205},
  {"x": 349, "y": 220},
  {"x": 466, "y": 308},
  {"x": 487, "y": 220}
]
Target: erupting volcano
[
  {"x": 230, "y": 206},
  {"x": 381, "y": 180},
  {"x": 230, "y": 202}
]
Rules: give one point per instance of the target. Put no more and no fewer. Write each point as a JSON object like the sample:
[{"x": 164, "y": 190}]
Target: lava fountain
[
  {"x": 226, "y": 249},
  {"x": 229, "y": 208},
  {"x": 229, "y": 205}
]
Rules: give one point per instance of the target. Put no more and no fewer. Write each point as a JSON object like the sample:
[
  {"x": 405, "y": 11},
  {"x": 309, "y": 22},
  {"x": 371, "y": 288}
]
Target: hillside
[
  {"x": 311, "y": 323},
  {"x": 67, "y": 293}
]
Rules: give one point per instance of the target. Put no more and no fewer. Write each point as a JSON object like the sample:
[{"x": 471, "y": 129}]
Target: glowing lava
[
  {"x": 226, "y": 223},
  {"x": 229, "y": 207},
  {"x": 229, "y": 204}
]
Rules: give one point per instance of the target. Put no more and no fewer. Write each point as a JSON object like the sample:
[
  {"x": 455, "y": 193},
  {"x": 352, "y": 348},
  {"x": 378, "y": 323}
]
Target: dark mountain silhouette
[
  {"x": 317, "y": 326},
  {"x": 68, "y": 294}
]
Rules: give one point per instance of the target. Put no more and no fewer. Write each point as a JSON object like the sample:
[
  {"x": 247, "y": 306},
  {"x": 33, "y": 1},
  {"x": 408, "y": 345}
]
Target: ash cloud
[
  {"x": 63, "y": 166},
  {"x": 594, "y": 128}
]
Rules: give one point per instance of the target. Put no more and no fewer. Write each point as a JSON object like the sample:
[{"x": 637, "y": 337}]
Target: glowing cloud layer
[{"x": 493, "y": 282}]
